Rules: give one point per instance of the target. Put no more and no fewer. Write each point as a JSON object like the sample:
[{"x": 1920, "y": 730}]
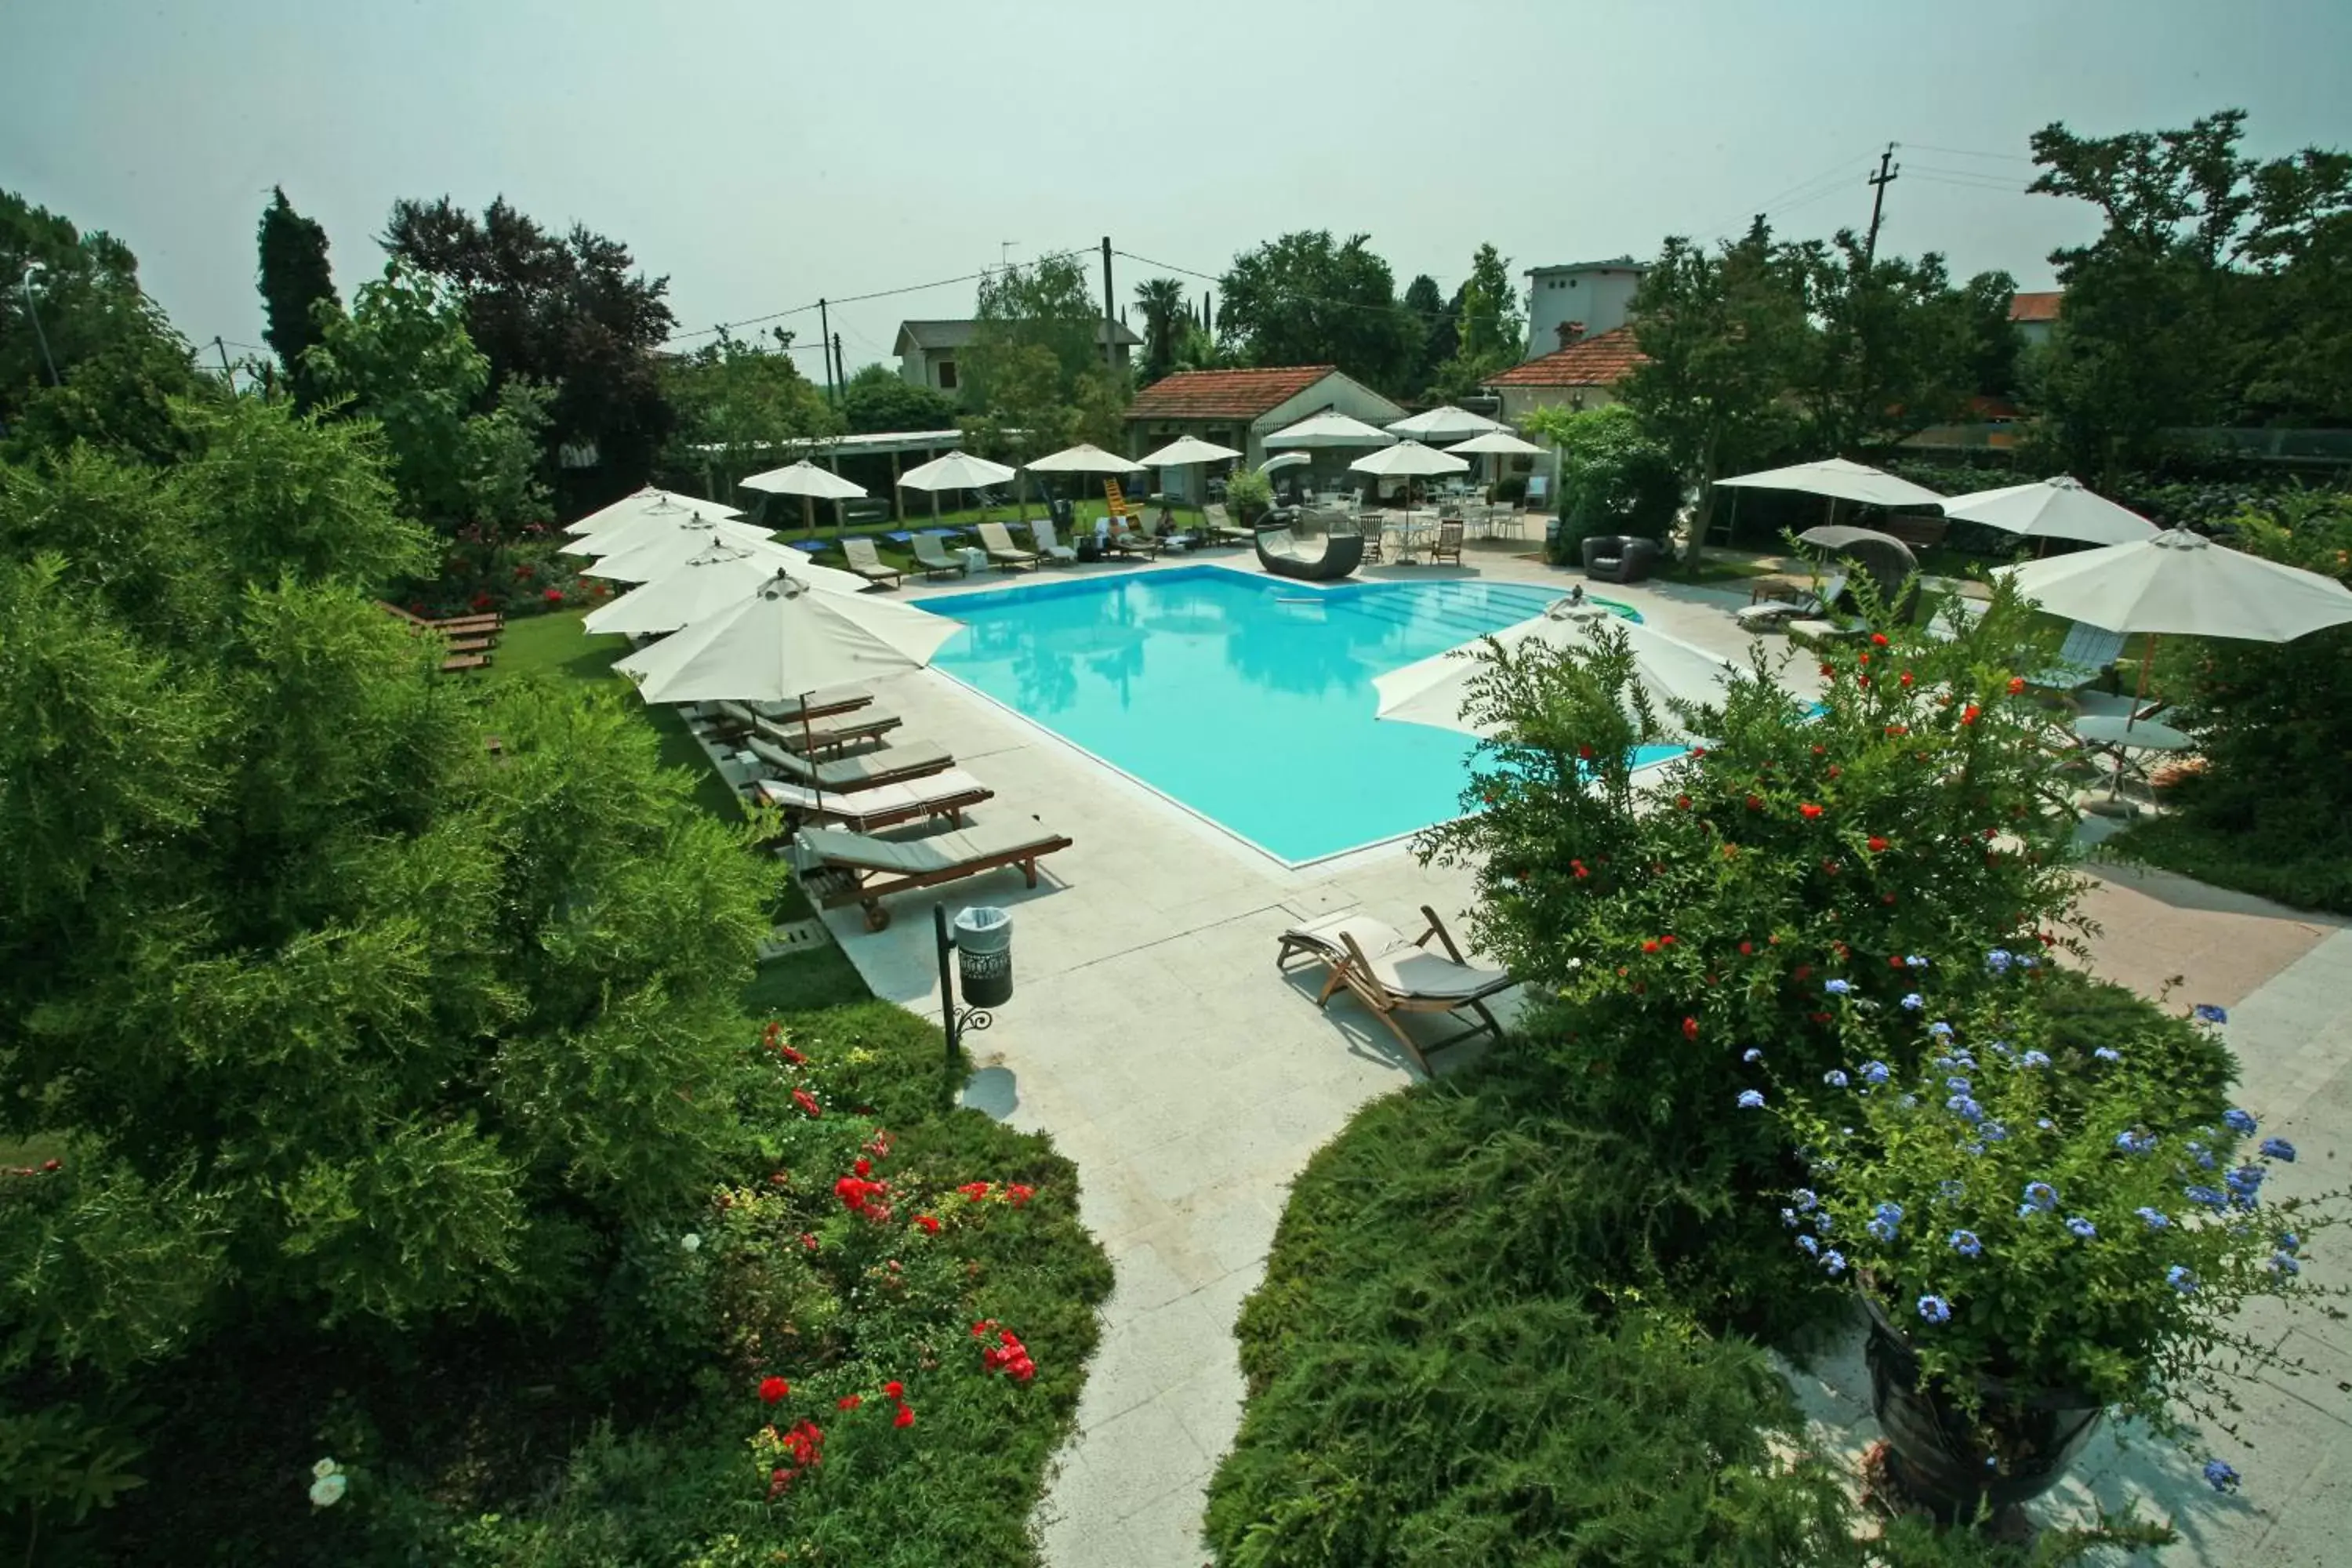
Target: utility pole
[
  {"x": 1110, "y": 313},
  {"x": 840, "y": 370},
  {"x": 825, "y": 351},
  {"x": 228, "y": 374},
  {"x": 1887, "y": 172}
]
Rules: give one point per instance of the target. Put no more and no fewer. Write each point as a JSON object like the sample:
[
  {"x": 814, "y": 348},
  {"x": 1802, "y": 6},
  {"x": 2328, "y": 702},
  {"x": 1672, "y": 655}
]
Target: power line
[
  {"x": 858, "y": 299},
  {"x": 2004, "y": 183},
  {"x": 1970, "y": 153},
  {"x": 1844, "y": 169}
]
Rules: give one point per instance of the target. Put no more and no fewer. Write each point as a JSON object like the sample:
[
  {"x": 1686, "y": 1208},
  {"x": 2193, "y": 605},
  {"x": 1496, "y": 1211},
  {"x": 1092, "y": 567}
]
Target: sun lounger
[
  {"x": 2082, "y": 659},
  {"x": 1221, "y": 525},
  {"x": 869, "y": 769},
  {"x": 933, "y": 558},
  {"x": 1774, "y": 614},
  {"x": 1051, "y": 548},
  {"x": 948, "y": 795},
  {"x": 864, "y": 561},
  {"x": 817, "y": 737},
  {"x": 856, "y": 869},
  {"x": 1133, "y": 541},
  {"x": 1391, "y": 974},
  {"x": 1007, "y": 555}
]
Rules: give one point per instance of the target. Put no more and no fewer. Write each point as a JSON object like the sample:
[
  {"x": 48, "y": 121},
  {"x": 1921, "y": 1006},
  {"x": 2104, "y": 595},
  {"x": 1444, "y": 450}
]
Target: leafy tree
[
  {"x": 1614, "y": 477},
  {"x": 296, "y": 281},
  {"x": 879, "y": 399},
  {"x": 1725, "y": 336},
  {"x": 1489, "y": 331},
  {"x": 1033, "y": 375},
  {"x": 741, "y": 408},
  {"x": 1162, "y": 299},
  {"x": 71, "y": 299},
  {"x": 1434, "y": 318},
  {"x": 1306, "y": 299},
  {"x": 569, "y": 312}
]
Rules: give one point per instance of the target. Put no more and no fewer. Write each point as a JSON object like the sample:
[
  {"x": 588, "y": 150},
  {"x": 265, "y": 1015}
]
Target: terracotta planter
[{"x": 1935, "y": 1455}]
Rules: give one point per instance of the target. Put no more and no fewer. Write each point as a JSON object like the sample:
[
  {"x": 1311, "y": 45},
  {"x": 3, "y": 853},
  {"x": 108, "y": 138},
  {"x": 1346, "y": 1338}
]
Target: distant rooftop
[
  {"x": 1225, "y": 394},
  {"x": 2036, "y": 307},
  {"x": 959, "y": 334},
  {"x": 1602, "y": 360},
  {"x": 1615, "y": 261}
]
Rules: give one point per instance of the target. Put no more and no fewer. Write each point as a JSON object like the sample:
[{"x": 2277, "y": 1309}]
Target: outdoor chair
[
  {"x": 2083, "y": 657},
  {"x": 854, "y": 868},
  {"x": 1221, "y": 525},
  {"x": 868, "y": 564},
  {"x": 812, "y": 737},
  {"x": 846, "y": 775},
  {"x": 943, "y": 794},
  {"x": 1374, "y": 529},
  {"x": 1448, "y": 544},
  {"x": 1007, "y": 555},
  {"x": 737, "y": 719},
  {"x": 1133, "y": 541},
  {"x": 933, "y": 558},
  {"x": 1051, "y": 548},
  {"x": 1618, "y": 558},
  {"x": 1392, "y": 975},
  {"x": 1775, "y": 614}
]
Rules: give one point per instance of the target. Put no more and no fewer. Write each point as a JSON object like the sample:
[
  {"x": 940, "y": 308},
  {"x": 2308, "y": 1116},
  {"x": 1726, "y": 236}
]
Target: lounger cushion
[
  {"x": 851, "y": 771},
  {"x": 1414, "y": 971},
  {"x": 1326, "y": 934},
  {"x": 937, "y": 852},
  {"x": 882, "y": 800}
]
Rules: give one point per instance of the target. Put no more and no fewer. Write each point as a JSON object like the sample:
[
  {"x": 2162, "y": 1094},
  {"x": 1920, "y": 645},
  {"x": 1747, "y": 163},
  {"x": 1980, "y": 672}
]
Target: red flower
[
  {"x": 1809, "y": 811},
  {"x": 1829, "y": 670},
  {"x": 1878, "y": 639},
  {"x": 790, "y": 1055},
  {"x": 553, "y": 595},
  {"x": 1755, "y": 802},
  {"x": 980, "y": 1330},
  {"x": 1690, "y": 1028},
  {"x": 1019, "y": 1195},
  {"x": 1969, "y": 714},
  {"x": 1835, "y": 769},
  {"x": 1578, "y": 867},
  {"x": 1905, "y": 679},
  {"x": 773, "y": 1389},
  {"x": 1585, "y": 752},
  {"x": 1650, "y": 946},
  {"x": 808, "y": 1242},
  {"x": 1893, "y": 961},
  {"x": 975, "y": 1190},
  {"x": 927, "y": 1223},
  {"x": 1865, "y": 658},
  {"x": 1898, "y": 729},
  {"x": 1885, "y": 898},
  {"x": 863, "y": 1166},
  {"x": 1861, "y": 680},
  {"x": 806, "y": 1101},
  {"x": 1877, "y": 845},
  {"x": 1667, "y": 940},
  {"x": 1683, "y": 801},
  {"x": 848, "y": 1402},
  {"x": 894, "y": 1389},
  {"x": 1746, "y": 948},
  {"x": 906, "y": 1416},
  {"x": 2016, "y": 684}
]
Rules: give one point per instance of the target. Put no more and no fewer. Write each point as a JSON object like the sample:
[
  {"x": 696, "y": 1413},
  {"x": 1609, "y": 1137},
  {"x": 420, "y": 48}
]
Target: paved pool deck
[{"x": 1152, "y": 1036}]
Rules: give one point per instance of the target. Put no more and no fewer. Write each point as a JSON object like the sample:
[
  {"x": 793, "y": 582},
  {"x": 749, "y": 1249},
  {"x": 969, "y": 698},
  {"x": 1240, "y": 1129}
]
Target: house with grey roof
[{"x": 928, "y": 350}]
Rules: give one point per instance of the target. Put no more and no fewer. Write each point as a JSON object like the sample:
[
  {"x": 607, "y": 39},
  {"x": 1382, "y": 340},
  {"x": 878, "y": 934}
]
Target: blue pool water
[{"x": 1247, "y": 699}]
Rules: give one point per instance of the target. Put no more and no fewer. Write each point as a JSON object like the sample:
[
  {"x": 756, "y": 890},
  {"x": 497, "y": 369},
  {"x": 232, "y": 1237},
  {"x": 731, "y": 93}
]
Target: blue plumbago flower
[
  {"x": 2135, "y": 1142},
  {"x": 1940, "y": 1029},
  {"x": 1824, "y": 1223},
  {"x": 2202, "y": 1154},
  {"x": 2245, "y": 1185},
  {"x": 1966, "y": 1109},
  {"x": 2156, "y": 1219},
  {"x": 2220, "y": 1477},
  {"x": 1789, "y": 1218},
  {"x": 2181, "y": 1279},
  {"x": 1907, "y": 1101},
  {"x": 1805, "y": 1199},
  {"x": 1812, "y": 1249},
  {"x": 1975, "y": 1148},
  {"x": 2239, "y": 1120},
  {"x": 1913, "y": 1002},
  {"x": 1998, "y": 961},
  {"x": 1951, "y": 1191},
  {"x": 1880, "y": 1230},
  {"x": 2211, "y": 1198},
  {"x": 2278, "y": 1149},
  {"x": 2289, "y": 1242},
  {"x": 1913, "y": 961},
  {"x": 2082, "y": 1226},
  {"x": 1966, "y": 1244},
  {"x": 1751, "y": 1055},
  {"x": 1993, "y": 1132},
  {"x": 1835, "y": 1078},
  {"x": 1836, "y": 987},
  {"x": 2209, "y": 1014},
  {"x": 1875, "y": 1072},
  {"x": 1957, "y": 1085},
  {"x": 1835, "y": 1262},
  {"x": 1935, "y": 1309},
  {"x": 2034, "y": 1059},
  {"x": 2044, "y": 1123},
  {"x": 2000, "y": 1048},
  {"x": 2041, "y": 1195},
  {"x": 1751, "y": 1100},
  {"x": 2029, "y": 964},
  {"x": 1892, "y": 1213},
  {"x": 2108, "y": 1054},
  {"x": 2283, "y": 1264}
]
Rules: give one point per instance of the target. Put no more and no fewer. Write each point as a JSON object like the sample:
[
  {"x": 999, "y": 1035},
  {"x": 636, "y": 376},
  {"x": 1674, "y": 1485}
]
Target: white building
[
  {"x": 1240, "y": 409},
  {"x": 1597, "y": 294},
  {"x": 928, "y": 350}
]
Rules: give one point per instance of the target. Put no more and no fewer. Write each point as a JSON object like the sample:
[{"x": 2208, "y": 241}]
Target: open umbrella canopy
[
  {"x": 2059, "y": 508},
  {"x": 1498, "y": 443},
  {"x": 1282, "y": 460},
  {"x": 1182, "y": 450},
  {"x": 1838, "y": 481},
  {"x": 785, "y": 640},
  {"x": 1431, "y": 690},
  {"x": 2183, "y": 583},
  {"x": 721, "y": 575},
  {"x": 646, "y": 502},
  {"x": 1083, "y": 459},
  {"x": 665, "y": 553},
  {"x": 956, "y": 471},
  {"x": 804, "y": 479},
  {"x": 642, "y": 531},
  {"x": 1409, "y": 459},
  {"x": 1443, "y": 423},
  {"x": 1330, "y": 429}
]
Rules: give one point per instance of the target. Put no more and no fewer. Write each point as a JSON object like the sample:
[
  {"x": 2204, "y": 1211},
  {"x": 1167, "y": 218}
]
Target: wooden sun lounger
[
  {"x": 1007, "y": 555},
  {"x": 948, "y": 795},
  {"x": 1391, "y": 974},
  {"x": 822, "y": 737},
  {"x": 862, "y": 870},
  {"x": 742, "y": 717},
  {"x": 869, "y": 769}
]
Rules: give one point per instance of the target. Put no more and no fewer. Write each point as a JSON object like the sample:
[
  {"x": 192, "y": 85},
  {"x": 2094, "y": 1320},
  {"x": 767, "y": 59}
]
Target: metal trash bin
[{"x": 984, "y": 942}]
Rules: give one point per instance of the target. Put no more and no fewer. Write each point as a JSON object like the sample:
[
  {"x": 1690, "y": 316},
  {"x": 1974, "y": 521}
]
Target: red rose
[
  {"x": 1893, "y": 961},
  {"x": 1667, "y": 940},
  {"x": 1877, "y": 845},
  {"x": 553, "y": 595},
  {"x": 1829, "y": 672},
  {"x": 808, "y": 1242},
  {"x": 1809, "y": 811},
  {"x": 1690, "y": 1028},
  {"x": 1835, "y": 771},
  {"x": 1865, "y": 658},
  {"x": 1683, "y": 801},
  {"x": 771, "y": 1389},
  {"x": 975, "y": 1190},
  {"x": 1861, "y": 680}
]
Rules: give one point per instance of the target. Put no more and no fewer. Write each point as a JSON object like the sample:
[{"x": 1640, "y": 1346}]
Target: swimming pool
[{"x": 1247, "y": 699}]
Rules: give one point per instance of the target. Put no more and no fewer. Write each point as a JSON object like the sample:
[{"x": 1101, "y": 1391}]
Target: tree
[
  {"x": 741, "y": 407},
  {"x": 1723, "y": 336},
  {"x": 1435, "y": 319},
  {"x": 1305, "y": 298},
  {"x": 340, "y": 1014},
  {"x": 1033, "y": 375},
  {"x": 295, "y": 281},
  {"x": 569, "y": 313},
  {"x": 1162, "y": 299},
  {"x": 1489, "y": 331},
  {"x": 1614, "y": 477},
  {"x": 879, "y": 399}
]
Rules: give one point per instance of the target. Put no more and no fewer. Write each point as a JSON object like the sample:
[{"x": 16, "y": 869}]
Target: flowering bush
[{"x": 2054, "y": 1218}]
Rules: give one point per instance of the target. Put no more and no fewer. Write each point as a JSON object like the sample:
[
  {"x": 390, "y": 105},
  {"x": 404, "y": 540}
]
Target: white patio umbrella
[
  {"x": 628, "y": 533},
  {"x": 1838, "y": 481},
  {"x": 1431, "y": 690},
  {"x": 659, "y": 555},
  {"x": 1443, "y": 423},
  {"x": 1330, "y": 428},
  {"x": 954, "y": 471},
  {"x": 646, "y": 502},
  {"x": 719, "y": 576},
  {"x": 1409, "y": 460},
  {"x": 809, "y": 482},
  {"x": 2057, "y": 507},
  {"x": 1189, "y": 452},
  {"x": 1086, "y": 457},
  {"x": 1498, "y": 443}
]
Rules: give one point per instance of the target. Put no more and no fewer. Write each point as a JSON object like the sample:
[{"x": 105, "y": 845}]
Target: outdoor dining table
[{"x": 2116, "y": 737}]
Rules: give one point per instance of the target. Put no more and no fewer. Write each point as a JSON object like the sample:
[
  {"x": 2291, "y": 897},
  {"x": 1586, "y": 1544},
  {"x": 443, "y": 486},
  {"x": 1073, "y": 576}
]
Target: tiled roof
[
  {"x": 2042, "y": 307},
  {"x": 959, "y": 334},
  {"x": 1602, "y": 360},
  {"x": 1225, "y": 394}
]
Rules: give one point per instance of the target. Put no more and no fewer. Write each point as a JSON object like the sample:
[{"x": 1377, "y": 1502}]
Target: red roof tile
[
  {"x": 2040, "y": 307},
  {"x": 1225, "y": 394},
  {"x": 1602, "y": 360}
]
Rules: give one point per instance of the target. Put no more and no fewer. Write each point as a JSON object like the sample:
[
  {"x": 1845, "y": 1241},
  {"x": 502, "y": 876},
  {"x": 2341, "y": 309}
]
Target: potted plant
[{"x": 2041, "y": 1235}]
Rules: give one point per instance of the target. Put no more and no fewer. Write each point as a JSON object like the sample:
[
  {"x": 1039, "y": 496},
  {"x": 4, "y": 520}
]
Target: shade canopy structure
[
  {"x": 720, "y": 576},
  {"x": 1498, "y": 443},
  {"x": 646, "y": 502},
  {"x": 1409, "y": 459},
  {"x": 783, "y": 640},
  {"x": 1443, "y": 423},
  {"x": 1086, "y": 457},
  {"x": 1330, "y": 429},
  {"x": 956, "y": 471},
  {"x": 646, "y": 527},
  {"x": 1431, "y": 690},
  {"x": 2058, "y": 508},
  {"x": 1184, "y": 450},
  {"x": 2178, "y": 582},
  {"x": 1887, "y": 559},
  {"x": 809, "y": 482},
  {"x": 666, "y": 552},
  {"x": 1838, "y": 479}
]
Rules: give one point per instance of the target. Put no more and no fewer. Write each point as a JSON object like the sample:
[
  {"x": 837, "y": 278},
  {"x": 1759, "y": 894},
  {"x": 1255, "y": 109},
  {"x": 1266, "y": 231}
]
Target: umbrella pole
[
  {"x": 808, "y": 515},
  {"x": 2139, "y": 695}
]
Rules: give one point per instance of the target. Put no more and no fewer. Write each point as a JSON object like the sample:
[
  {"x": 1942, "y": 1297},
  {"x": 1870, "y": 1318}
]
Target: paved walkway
[{"x": 1151, "y": 1036}]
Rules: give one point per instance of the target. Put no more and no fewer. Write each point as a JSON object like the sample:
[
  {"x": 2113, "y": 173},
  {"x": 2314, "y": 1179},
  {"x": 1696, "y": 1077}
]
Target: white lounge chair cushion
[
  {"x": 936, "y": 852},
  {"x": 882, "y": 800},
  {"x": 831, "y": 726},
  {"x": 850, "y": 771},
  {"x": 1415, "y": 971},
  {"x": 1327, "y": 932},
  {"x": 833, "y": 697}
]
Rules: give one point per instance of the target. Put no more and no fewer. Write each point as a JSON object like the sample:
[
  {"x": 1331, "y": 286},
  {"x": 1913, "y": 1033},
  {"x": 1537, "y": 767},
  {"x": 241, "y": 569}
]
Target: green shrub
[{"x": 1613, "y": 478}]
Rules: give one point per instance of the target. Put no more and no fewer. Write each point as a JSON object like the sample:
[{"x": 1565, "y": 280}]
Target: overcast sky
[{"x": 764, "y": 152}]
